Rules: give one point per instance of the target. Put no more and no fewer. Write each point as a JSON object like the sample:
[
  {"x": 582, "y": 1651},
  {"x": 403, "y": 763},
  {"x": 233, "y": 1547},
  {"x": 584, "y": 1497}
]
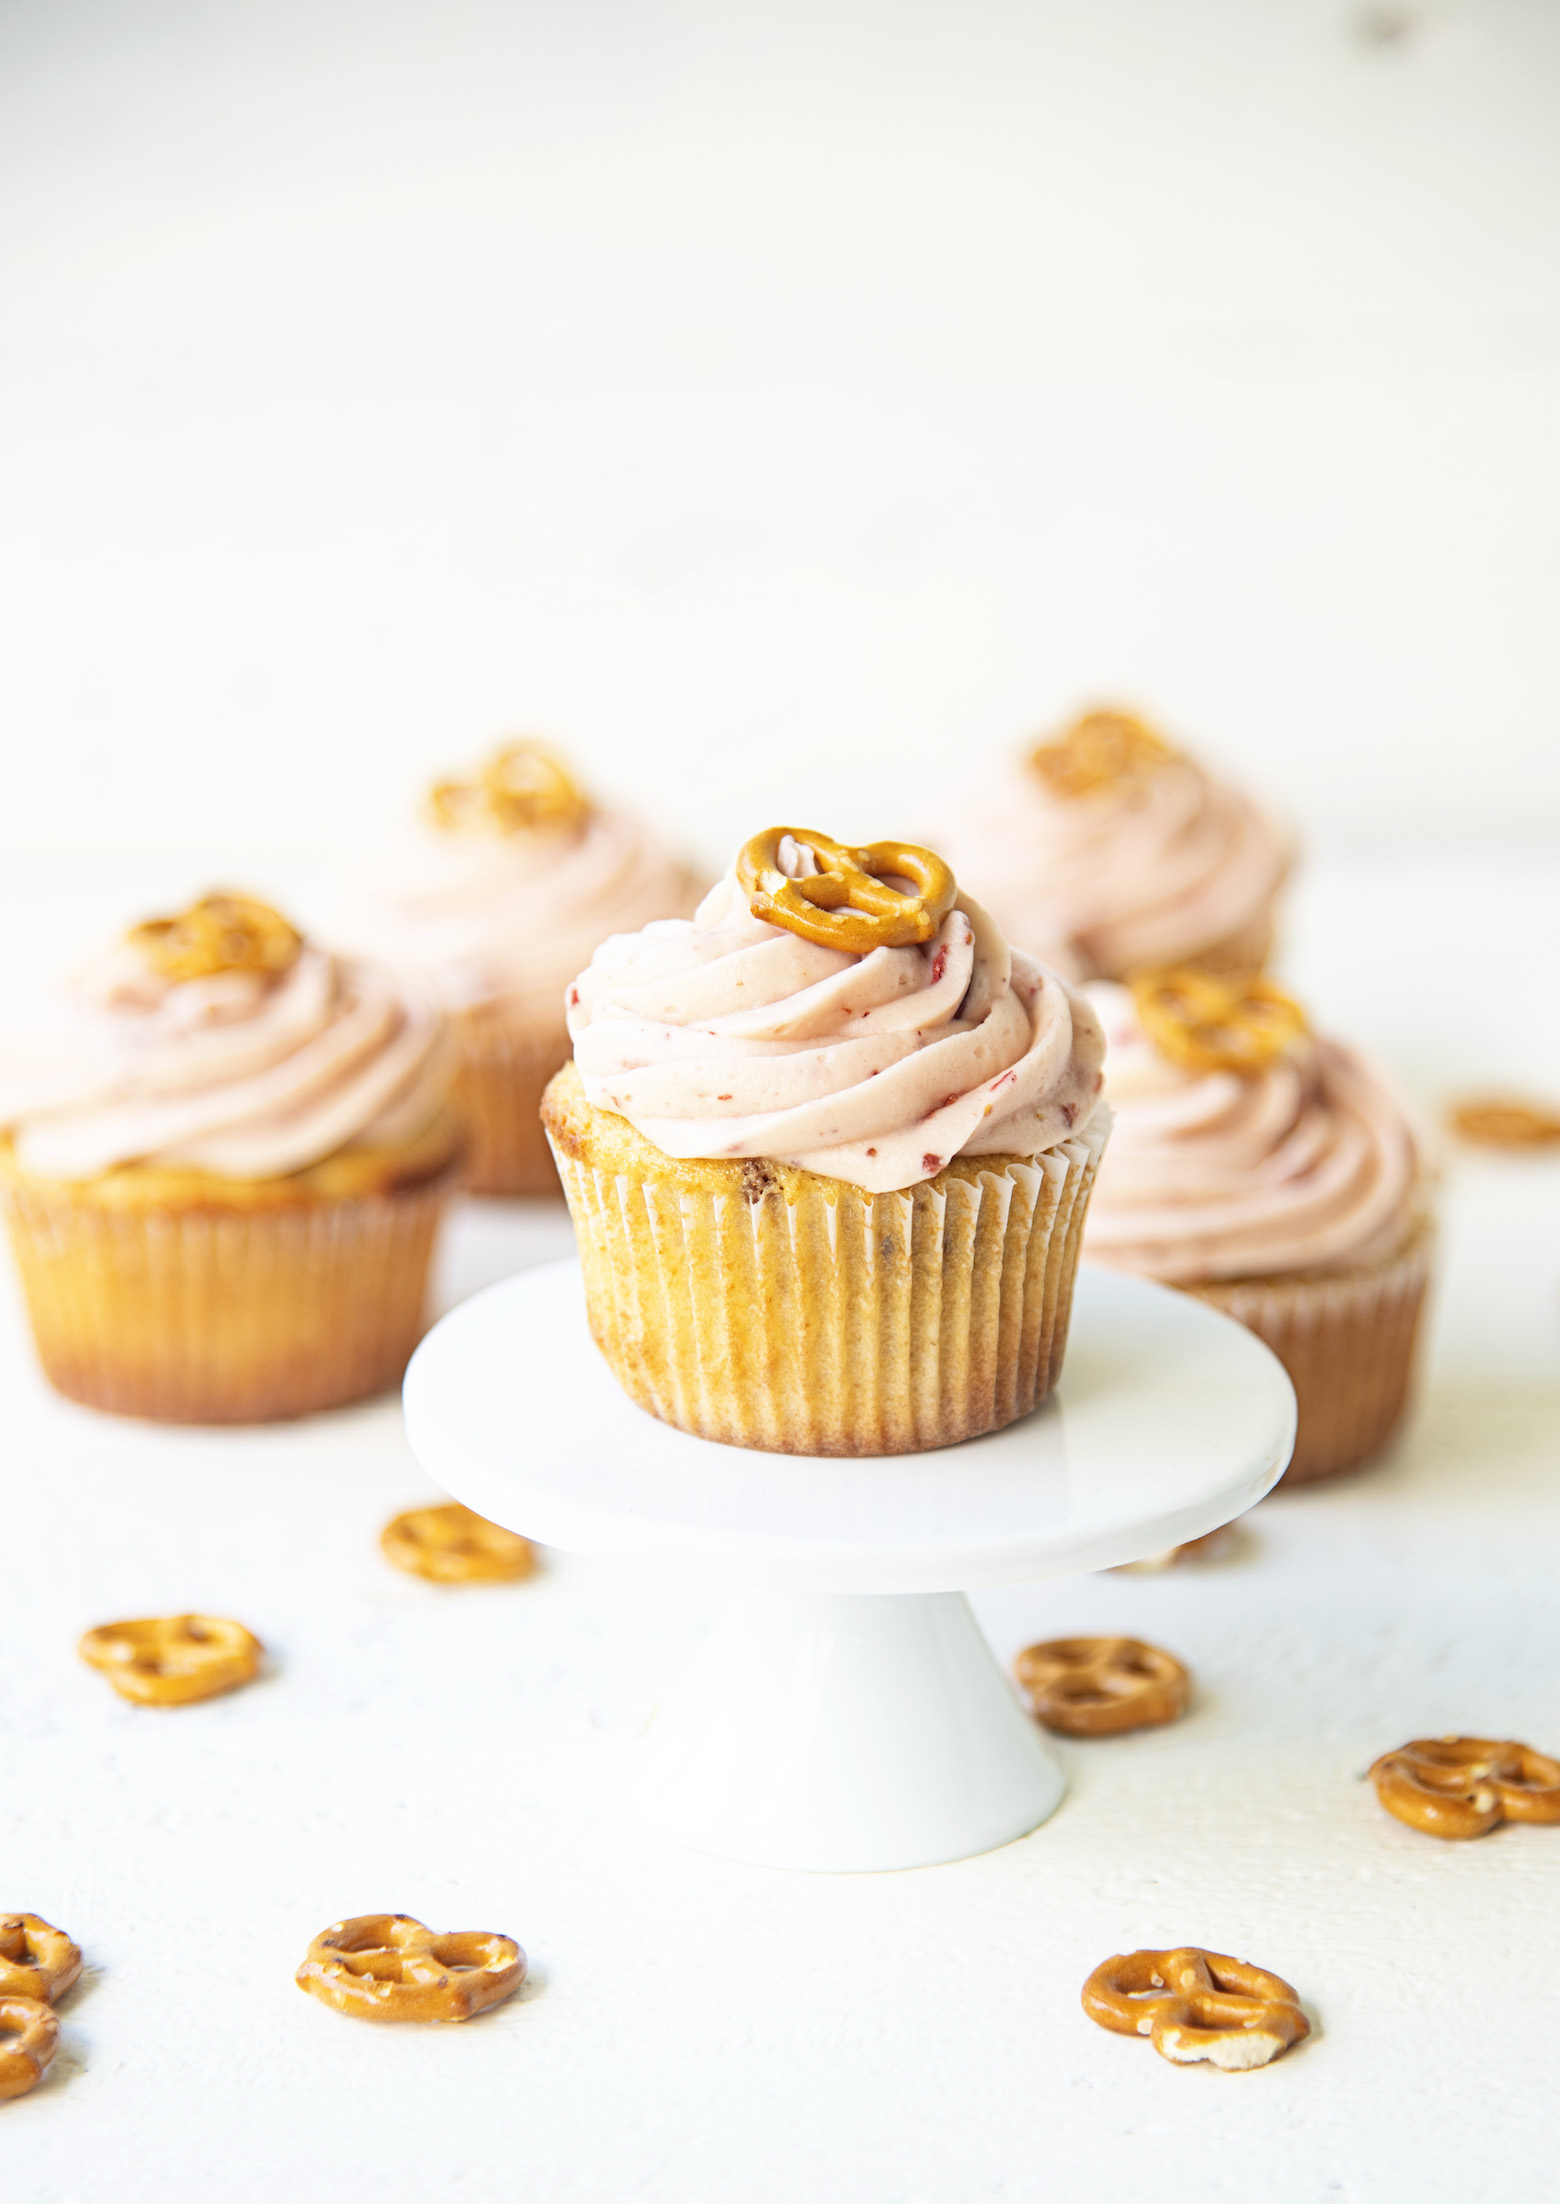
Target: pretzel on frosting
[
  {"x": 1207, "y": 1021},
  {"x": 1462, "y": 1786},
  {"x": 386, "y": 1966},
  {"x": 36, "y": 1960},
  {"x": 454, "y": 1545},
  {"x": 1098, "y": 1687},
  {"x": 172, "y": 1660},
  {"x": 29, "y": 2037},
  {"x": 522, "y": 787},
  {"x": 847, "y": 903},
  {"x": 1194, "y": 2005},
  {"x": 1101, "y": 749},
  {"x": 220, "y": 933}
]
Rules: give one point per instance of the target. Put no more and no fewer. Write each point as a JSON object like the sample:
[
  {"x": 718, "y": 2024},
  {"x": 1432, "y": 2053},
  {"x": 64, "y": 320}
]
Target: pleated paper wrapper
[
  {"x": 498, "y": 1095},
  {"x": 1347, "y": 1341},
  {"x": 207, "y": 1315},
  {"x": 819, "y": 1319}
]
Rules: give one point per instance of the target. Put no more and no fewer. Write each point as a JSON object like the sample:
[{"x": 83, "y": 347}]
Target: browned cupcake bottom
[
  {"x": 205, "y": 1315},
  {"x": 1347, "y": 1341},
  {"x": 498, "y": 1097}
]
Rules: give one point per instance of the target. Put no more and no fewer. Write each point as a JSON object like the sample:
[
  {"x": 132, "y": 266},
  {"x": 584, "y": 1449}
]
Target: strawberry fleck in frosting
[
  {"x": 245, "y": 1073},
  {"x": 1307, "y": 1164},
  {"x": 725, "y": 1036},
  {"x": 1150, "y": 868}
]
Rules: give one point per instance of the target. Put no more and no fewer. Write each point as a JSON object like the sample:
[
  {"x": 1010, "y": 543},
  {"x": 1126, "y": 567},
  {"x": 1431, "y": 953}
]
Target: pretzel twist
[
  {"x": 848, "y": 903},
  {"x": 1101, "y": 749},
  {"x": 386, "y": 1966},
  {"x": 1197, "y": 2005},
  {"x": 523, "y": 787},
  {"x": 36, "y": 1960},
  {"x": 222, "y": 932},
  {"x": 1099, "y": 1687},
  {"x": 1497, "y": 1121},
  {"x": 29, "y": 2037},
  {"x": 173, "y": 1660},
  {"x": 1207, "y": 1021},
  {"x": 1464, "y": 1786},
  {"x": 454, "y": 1545}
]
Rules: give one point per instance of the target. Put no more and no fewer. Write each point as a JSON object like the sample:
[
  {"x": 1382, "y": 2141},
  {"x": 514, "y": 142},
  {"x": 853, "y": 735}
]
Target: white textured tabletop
[{"x": 702, "y": 2032}]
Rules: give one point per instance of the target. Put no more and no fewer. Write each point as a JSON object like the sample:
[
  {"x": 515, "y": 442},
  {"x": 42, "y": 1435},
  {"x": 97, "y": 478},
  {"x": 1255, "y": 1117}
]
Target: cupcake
[
  {"x": 828, "y": 1147},
  {"x": 495, "y": 900},
  {"x": 222, "y": 1168},
  {"x": 1108, "y": 851},
  {"x": 1271, "y": 1173}
]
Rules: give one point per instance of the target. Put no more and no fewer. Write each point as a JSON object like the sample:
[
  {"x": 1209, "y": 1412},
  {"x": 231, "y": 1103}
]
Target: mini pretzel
[
  {"x": 1100, "y": 750},
  {"x": 1098, "y": 1687},
  {"x": 523, "y": 786},
  {"x": 29, "y": 2037},
  {"x": 171, "y": 1660},
  {"x": 1504, "y": 1122},
  {"x": 36, "y": 1961},
  {"x": 386, "y": 1966},
  {"x": 1463, "y": 1786},
  {"x": 220, "y": 933},
  {"x": 454, "y": 1545},
  {"x": 848, "y": 903},
  {"x": 1194, "y": 2004},
  {"x": 1209, "y": 1022}
]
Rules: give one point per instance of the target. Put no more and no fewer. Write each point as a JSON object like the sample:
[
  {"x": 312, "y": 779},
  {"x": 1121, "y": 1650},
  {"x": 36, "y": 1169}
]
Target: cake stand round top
[{"x": 1169, "y": 1420}]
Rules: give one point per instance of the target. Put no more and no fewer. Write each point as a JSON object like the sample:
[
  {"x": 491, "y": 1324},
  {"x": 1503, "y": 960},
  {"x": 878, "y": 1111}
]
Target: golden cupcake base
[
  {"x": 499, "y": 1083},
  {"x": 1347, "y": 1340},
  {"x": 188, "y": 1299},
  {"x": 759, "y": 1304}
]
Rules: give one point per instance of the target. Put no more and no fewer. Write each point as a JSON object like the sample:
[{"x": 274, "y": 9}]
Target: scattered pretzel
[
  {"x": 1503, "y": 1121},
  {"x": 171, "y": 1660},
  {"x": 1212, "y": 1546},
  {"x": 1098, "y": 1687},
  {"x": 1101, "y": 749},
  {"x": 36, "y": 1961},
  {"x": 454, "y": 1545},
  {"x": 29, "y": 2037},
  {"x": 386, "y": 1966},
  {"x": 847, "y": 903},
  {"x": 1464, "y": 1786},
  {"x": 220, "y": 933},
  {"x": 1194, "y": 2004},
  {"x": 522, "y": 788},
  {"x": 1208, "y": 1021}
]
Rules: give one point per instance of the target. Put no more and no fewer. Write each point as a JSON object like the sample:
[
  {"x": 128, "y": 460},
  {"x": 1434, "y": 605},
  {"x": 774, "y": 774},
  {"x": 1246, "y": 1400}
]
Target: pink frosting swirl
[
  {"x": 725, "y": 1036},
  {"x": 1149, "y": 872},
  {"x": 1307, "y": 1165},
  {"x": 508, "y": 919},
  {"x": 240, "y": 1073}
]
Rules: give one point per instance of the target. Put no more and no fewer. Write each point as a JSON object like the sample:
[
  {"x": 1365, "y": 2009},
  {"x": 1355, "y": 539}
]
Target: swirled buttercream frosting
[
  {"x": 1306, "y": 1164},
  {"x": 500, "y": 893},
  {"x": 225, "y": 1044},
  {"x": 728, "y": 1036},
  {"x": 1109, "y": 855}
]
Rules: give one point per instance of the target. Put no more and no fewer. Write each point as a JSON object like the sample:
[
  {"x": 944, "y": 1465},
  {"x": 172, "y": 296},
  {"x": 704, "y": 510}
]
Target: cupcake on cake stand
[{"x": 846, "y": 1712}]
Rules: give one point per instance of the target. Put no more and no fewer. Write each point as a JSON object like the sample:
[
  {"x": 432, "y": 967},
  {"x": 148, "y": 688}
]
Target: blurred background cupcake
[
  {"x": 495, "y": 898},
  {"x": 222, "y": 1167},
  {"x": 1106, "y": 850},
  {"x": 1271, "y": 1172}
]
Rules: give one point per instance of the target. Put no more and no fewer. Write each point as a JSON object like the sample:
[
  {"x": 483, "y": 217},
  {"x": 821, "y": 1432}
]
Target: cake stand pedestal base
[{"x": 845, "y": 1732}]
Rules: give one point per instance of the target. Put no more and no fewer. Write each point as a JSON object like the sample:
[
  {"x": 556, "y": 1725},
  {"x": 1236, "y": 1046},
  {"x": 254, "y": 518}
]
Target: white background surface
[{"x": 795, "y": 400}]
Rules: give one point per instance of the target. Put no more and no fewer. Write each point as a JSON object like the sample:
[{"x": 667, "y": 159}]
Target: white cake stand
[{"x": 846, "y": 1712}]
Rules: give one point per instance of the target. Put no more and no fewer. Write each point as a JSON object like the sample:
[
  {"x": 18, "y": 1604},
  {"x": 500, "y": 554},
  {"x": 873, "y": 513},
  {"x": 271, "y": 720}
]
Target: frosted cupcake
[
  {"x": 222, "y": 1168},
  {"x": 495, "y": 900},
  {"x": 828, "y": 1147},
  {"x": 1108, "y": 851},
  {"x": 1272, "y": 1173}
]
